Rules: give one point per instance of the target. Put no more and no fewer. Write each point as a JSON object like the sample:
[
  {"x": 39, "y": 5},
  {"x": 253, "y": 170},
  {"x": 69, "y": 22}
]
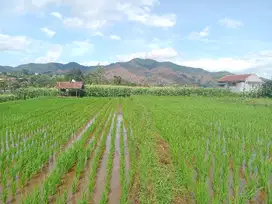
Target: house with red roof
[
  {"x": 241, "y": 83},
  {"x": 72, "y": 88}
]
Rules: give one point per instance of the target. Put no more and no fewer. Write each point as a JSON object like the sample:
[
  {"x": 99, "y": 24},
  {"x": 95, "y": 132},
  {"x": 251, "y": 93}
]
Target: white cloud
[
  {"x": 57, "y": 15},
  {"x": 230, "y": 23},
  {"x": 218, "y": 64},
  {"x": 93, "y": 25},
  {"x": 48, "y": 32},
  {"x": 94, "y": 63},
  {"x": 156, "y": 43},
  {"x": 145, "y": 16},
  {"x": 156, "y": 54},
  {"x": 79, "y": 48},
  {"x": 73, "y": 22},
  {"x": 161, "y": 21},
  {"x": 76, "y": 22},
  {"x": 52, "y": 55},
  {"x": 115, "y": 37},
  {"x": 200, "y": 35},
  {"x": 259, "y": 63},
  {"x": 98, "y": 33},
  {"x": 13, "y": 43},
  {"x": 141, "y": 11}
]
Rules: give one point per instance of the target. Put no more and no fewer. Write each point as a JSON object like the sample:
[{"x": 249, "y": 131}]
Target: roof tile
[
  {"x": 234, "y": 78},
  {"x": 69, "y": 85}
]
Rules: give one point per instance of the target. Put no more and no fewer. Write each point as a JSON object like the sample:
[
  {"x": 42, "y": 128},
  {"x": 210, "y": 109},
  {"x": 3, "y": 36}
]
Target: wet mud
[{"x": 115, "y": 184}]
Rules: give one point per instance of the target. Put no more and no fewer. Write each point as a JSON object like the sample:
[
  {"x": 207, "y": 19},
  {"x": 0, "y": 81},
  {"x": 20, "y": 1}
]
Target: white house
[{"x": 241, "y": 83}]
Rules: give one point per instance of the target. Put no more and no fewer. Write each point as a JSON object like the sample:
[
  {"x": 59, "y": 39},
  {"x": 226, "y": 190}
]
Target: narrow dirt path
[{"x": 115, "y": 184}]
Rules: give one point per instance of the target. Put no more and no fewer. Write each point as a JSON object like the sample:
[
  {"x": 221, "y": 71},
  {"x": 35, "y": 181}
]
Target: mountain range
[{"x": 140, "y": 71}]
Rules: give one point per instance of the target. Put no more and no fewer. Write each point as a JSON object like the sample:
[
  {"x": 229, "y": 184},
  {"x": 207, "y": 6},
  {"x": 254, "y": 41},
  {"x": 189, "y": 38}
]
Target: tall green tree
[
  {"x": 42, "y": 81},
  {"x": 15, "y": 85},
  {"x": 75, "y": 74},
  {"x": 97, "y": 76},
  {"x": 267, "y": 89},
  {"x": 4, "y": 85},
  {"x": 117, "y": 80}
]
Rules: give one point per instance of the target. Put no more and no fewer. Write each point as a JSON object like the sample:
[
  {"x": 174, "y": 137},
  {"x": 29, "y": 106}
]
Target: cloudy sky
[{"x": 214, "y": 34}]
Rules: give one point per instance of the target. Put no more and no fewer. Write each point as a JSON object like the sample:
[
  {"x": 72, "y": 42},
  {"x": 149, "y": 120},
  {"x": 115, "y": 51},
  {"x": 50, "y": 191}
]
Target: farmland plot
[
  {"x": 141, "y": 149},
  {"x": 51, "y": 150},
  {"x": 209, "y": 151}
]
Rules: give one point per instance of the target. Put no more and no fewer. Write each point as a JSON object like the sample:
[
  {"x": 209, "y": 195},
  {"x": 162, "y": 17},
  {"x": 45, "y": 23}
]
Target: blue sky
[{"x": 214, "y": 34}]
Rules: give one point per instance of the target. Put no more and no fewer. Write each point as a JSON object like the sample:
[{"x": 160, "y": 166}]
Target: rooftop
[
  {"x": 69, "y": 85},
  {"x": 234, "y": 78}
]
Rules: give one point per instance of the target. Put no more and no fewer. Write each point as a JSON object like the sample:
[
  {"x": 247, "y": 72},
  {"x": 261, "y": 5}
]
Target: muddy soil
[
  {"x": 115, "y": 184},
  {"x": 68, "y": 181},
  {"x": 39, "y": 178},
  {"x": 102, "y": 172}
]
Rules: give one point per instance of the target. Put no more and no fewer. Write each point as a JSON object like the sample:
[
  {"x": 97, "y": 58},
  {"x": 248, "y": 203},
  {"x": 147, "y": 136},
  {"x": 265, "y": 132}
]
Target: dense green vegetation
[
  {"x": 183, "y": 149},
  {"x": 120, "y": 91},
  {"x": 215, "y": 151}
]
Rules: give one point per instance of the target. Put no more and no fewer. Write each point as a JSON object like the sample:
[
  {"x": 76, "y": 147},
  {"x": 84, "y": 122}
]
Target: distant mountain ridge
[
  {"x": 144, "y": 71},
  {"x": 46, "y": 68}
]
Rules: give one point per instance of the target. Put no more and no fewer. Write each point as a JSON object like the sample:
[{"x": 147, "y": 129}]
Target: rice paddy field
[{"x": 139, "y": 149}]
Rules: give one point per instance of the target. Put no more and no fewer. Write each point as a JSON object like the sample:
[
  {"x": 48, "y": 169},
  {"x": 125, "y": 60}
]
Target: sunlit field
[{"x": 138, "y": 149}]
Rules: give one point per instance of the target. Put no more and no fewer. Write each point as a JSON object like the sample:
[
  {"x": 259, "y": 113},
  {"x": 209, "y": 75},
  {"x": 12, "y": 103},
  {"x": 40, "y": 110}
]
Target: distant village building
[
  {"x": 241, "y": 83},
  {"x": 72, "y": 88}
]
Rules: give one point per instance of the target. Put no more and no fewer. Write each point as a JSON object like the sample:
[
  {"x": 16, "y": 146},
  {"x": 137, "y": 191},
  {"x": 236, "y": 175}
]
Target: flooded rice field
[{"x": 140, "y": 149}]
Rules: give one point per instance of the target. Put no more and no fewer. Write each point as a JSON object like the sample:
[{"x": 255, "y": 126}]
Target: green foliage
[
  {"x": 26, "y": 93},
  {"x": 96, "y": 76},
  {"x": 42, "y": 81},
  {"x": 3, "y": 85},
  {"x": 5, "y": 98},
  {"x": 117, "y": 80},
  {"x": 75, "y": 74},
  {"x": 107, "y": 91},
  {"x": 266, "y": 90},
  {"x": 124, "y": 91},
  {"x": 216, "y": 148}
]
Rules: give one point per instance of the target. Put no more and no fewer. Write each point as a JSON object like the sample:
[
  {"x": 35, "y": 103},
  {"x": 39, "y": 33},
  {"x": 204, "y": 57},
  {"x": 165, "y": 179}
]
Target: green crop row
[
  {"x": 125, "y": 91},
  {"x": 27, "y": 142},
  {"x": 221, "y": 151}
]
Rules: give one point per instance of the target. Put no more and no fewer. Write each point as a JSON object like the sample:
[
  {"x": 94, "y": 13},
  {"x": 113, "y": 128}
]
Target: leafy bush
[
  {"x": 108, "y": 91},
  {"x": 5, "y": 98},
  {"x": 124, "y": 91},
  {"x": 26, "y": 93},
  {"x": 266, "y": 90}
]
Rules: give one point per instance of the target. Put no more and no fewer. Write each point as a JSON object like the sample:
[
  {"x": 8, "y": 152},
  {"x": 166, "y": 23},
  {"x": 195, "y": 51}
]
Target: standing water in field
[
  {"x": 77, "y": 136},
  {"x": 115, "y": 184},
  {"x": 102, "y": 173},
  {"x": 37, "y": 179}
]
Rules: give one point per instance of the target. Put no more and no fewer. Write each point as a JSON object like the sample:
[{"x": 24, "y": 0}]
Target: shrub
[
  {"x": 26, "y": 93},
  {"x": 124, "y": 91},
  {"x": 5, "y": 98},
  {"x": 266, "y": 90}
]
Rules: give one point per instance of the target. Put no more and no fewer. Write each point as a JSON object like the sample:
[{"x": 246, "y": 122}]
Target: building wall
[
  {"x": 239, "y": 87},
  {"x": 254, "y": 78},
  {"x": 253, "y": 82}
]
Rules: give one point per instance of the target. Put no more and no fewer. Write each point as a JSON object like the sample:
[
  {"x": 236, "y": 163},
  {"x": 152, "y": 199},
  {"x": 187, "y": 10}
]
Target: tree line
[{"x": 24, "y": 79}]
